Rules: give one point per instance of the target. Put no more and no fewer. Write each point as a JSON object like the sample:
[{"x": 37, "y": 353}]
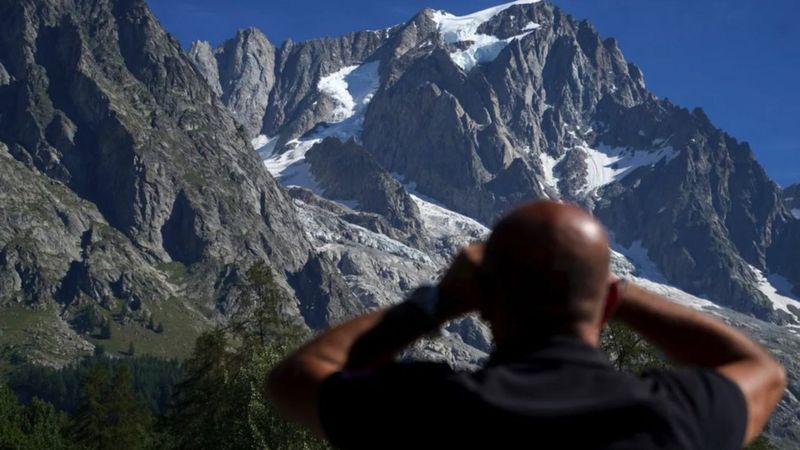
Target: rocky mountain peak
[
  {"x": 394, "y": 147},
  {"x": 791, "y": 198}
]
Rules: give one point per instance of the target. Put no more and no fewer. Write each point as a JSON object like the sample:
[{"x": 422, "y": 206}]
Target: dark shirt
[{"x": 562, "y": 395}]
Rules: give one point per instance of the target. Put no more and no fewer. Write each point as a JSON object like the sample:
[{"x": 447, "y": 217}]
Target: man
[{"x": 542, "y": 282}]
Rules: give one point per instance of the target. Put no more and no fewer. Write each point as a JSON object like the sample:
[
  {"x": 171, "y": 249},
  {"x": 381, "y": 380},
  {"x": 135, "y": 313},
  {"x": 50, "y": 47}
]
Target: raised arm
[
  {"x": 370, "y": 340},
  {"x": 694, "y": 338}
]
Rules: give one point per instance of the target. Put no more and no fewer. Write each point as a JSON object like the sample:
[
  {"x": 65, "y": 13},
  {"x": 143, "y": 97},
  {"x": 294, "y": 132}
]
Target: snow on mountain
[
  {"x": 607, "y": 164},
  {"x": 264, "y": 145},
  {"x": 351, "y": 234},
  {"x": 796, "y": 213},
  {"x": 634, "y": 264},
  {"x": 482, "y": 48},
  {"x": 442, "y": 223},
  {"x": 351, "y": 88},
  {"x": 777, "y": 289},
  {"x": 637, "y": 254},
  {"x": 548, "y": 165}
]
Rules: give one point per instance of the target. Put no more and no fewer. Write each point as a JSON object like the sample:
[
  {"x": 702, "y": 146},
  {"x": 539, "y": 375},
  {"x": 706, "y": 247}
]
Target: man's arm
[
  {"x": 694, "y": 338},
  {"x": 367, "y": 341}
]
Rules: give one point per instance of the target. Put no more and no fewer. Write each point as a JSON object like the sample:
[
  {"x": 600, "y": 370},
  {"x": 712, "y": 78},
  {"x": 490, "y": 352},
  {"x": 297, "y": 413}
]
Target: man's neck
[{"x": 586, "y": 333}]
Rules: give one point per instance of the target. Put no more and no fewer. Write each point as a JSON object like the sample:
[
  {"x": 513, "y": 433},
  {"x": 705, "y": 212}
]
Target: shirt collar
[{"x": 564, "y": 348}]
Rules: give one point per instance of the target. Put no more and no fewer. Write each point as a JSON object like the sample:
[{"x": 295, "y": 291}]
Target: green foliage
[
  {"x": 215, "y": 400},
  {"x": 761, "y": 443},
  {"x": 628, "y": 350},
  {"x": 222, "y": 403},
  {"x": 176, "y": 271},
  {"x": 32, "y": 427},
  {"x": 105, "y": 330},
  {"x": 153, "y": 381},
  {"x": 110, "y": 416},
  {"x": 257, "y": 311}
]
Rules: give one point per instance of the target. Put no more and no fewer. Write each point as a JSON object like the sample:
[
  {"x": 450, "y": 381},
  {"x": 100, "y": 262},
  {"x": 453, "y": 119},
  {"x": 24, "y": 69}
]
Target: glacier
[{"x": 482, "y": 48}]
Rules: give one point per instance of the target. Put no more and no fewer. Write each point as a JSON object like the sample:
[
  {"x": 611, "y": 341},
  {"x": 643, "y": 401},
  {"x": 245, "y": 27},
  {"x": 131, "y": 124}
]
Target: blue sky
[{"x": 737, "y": 59}]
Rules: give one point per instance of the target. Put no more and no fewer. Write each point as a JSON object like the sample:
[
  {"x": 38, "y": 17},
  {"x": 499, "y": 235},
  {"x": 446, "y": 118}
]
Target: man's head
[{"x": 545, "y": 271}]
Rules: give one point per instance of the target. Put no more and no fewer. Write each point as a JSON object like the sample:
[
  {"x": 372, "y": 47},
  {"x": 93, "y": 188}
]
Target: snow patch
[
  {"x": 778, "y": 290},
  {"x": 291, "y": 168},
  {"x": 796, "y": 213},
  {"x": 318, "y": 231},
  {"x": 439, "y": 221},
  {"x": 531, "y": 26},
  {"x": 482, "y": 48},
  {"x": 646, "y": 274},
  {"x": 351, "y": 88},
  {"x": 607, "y": 165},
  {"x": 676, "y": 295},
  {"x": 645, "y": 267},
  {"x": 548, "y": 166},
  {"x": 264, "y": 145},
  {"x": 442, "y": 223}
]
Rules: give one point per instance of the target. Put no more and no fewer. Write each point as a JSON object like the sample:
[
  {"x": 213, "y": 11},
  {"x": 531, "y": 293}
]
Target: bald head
[{"x": 546, "y": 265}]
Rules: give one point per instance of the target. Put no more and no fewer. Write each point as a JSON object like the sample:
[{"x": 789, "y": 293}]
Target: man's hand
[{"x": 459, "y": 290}]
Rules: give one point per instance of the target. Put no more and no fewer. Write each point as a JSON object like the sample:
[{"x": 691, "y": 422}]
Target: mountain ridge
[
  {"x": 131, "y": 191},
  {"x": 483, "y": 139}
]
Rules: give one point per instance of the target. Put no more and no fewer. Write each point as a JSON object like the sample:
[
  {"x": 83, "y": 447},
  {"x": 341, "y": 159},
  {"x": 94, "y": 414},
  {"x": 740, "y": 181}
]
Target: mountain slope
[
  {"x": 133, "y": 165},
  {"x": 522, "y": 101}
]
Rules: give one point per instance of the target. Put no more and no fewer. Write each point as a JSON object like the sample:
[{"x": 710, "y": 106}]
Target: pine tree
[
  {"x": 128, "y": 422},
  {"x": 89, "y": 422},
  {"x": 203, "y": 410},
  {"x": 109, "y": 416},
  {"x": 32, "y": 427},
  {"x": 257, "y": 309},
  {"x": 105, "y": 329},
  {"x": 222, "y": 404}
]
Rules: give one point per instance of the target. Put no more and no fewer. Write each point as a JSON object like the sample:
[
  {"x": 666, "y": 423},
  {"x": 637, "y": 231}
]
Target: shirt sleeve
[
  {"x": 360, "y": 409},
  {"x": 710, "y": 408}
]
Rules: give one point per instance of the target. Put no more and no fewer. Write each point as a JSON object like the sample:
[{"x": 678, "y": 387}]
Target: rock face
[
  {"x": 344, "y": 170},
  {"x": 202, "y": 56},
  {"x": 548, "y": 109},
  {"x": 242, "y": 72},
  {"x": 118, "y": 161},
  {"x": 791, "y": 198}
]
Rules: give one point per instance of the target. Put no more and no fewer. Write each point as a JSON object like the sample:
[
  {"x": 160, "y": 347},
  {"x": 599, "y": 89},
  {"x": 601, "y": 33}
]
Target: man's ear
[{"x": 612, "y": 297}]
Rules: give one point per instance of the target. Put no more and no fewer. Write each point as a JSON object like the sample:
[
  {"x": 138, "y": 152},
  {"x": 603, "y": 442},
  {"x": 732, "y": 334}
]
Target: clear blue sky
[{"x": 737, "y": 59}]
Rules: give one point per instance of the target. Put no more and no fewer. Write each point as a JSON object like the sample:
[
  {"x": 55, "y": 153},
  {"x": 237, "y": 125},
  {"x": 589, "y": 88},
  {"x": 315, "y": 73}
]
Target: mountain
[
  {"x": 791, "y": 197},
  {"x": 129, "y": 189},
  {"x": 132, "y": 194},
  {"x": 523, "y": 101},
  {"x": 476, "y": 113}
]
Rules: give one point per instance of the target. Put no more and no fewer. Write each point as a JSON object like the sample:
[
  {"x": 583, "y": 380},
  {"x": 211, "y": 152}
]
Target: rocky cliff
[
  {"x": 522, "y": 101},
  {"x": 121, "y": 164}
]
